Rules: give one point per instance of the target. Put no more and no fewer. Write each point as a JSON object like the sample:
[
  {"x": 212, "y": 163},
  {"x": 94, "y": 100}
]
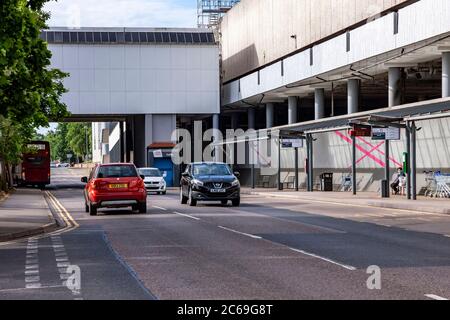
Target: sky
[{"x": 122, "y": 13}]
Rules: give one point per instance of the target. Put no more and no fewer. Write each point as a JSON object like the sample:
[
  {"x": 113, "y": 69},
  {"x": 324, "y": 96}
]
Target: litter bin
[
  {"x": 384, "y": 188},
  {"x": 326, "y": 182}
]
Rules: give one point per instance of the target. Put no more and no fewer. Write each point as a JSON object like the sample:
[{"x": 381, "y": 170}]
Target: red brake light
[{"x": 100, "y": 185}]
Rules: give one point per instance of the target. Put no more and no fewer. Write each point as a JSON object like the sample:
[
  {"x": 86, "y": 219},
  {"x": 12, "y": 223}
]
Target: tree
[
  {"x": 79, "y": 136},
  {"x": 30, "y": 90},
  {"x": 11, "y": 143}
]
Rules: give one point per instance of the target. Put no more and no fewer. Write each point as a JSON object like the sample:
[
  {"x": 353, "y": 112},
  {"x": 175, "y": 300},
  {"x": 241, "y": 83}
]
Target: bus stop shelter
[{"x": 403, "y": 117}]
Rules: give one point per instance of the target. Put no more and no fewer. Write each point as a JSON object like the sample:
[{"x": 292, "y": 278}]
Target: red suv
[{"x": 116, "y": 185}]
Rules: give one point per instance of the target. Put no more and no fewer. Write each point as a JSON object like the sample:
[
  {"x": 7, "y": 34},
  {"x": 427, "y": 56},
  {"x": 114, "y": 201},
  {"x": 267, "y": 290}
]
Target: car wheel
[
  {"x": 224, "y": 202},
  {"x": 92, "y": 210},
  {"x": 158, "y": 193},
  {"x": 164, "y": 192},
  {"x": 192, "y": 201},
  {"x": 142, "y": 207},
  {"x": 236, "y": 202},
  {"x": 86, "y": 207},
  {"x": 183, "y": 199},
  {"x": 134, "y": 207}
]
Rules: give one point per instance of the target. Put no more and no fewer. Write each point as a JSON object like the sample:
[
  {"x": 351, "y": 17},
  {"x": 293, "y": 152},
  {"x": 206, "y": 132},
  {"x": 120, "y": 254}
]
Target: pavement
[
  {"x": 269, "y": 248},
  {"x": 423, "y": 204},
  {"x": 24, "y": 213}
]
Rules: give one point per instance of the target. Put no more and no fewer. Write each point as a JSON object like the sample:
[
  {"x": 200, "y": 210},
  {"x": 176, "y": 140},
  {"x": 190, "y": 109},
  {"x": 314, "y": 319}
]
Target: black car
[{"x": 210, "y": 182}]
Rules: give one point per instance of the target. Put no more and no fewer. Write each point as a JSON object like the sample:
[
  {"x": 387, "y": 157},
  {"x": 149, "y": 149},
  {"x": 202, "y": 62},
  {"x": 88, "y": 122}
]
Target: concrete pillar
[
  {"x": 353, "y": 96},
  {"x": 251, "y": 153},
  {"x": 215, "y": 126},
  {"x": 319, "y": 103},
  {"x": 270, "y": 115},
  {"x": 445, "y": 74},
  {"x": 395, "y": 94},
  {"x": 292, "y": 110}
]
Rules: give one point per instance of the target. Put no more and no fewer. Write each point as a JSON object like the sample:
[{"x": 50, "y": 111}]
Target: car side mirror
[
  {"x": 237, "y": 174},
  {"x": 84, "y": 180},
  {"x": 142, "y": 177}
]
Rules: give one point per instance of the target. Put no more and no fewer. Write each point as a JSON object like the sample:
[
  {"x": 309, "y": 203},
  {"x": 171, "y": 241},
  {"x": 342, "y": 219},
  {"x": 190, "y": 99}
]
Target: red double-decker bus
[{"x": 35, "y": 168}]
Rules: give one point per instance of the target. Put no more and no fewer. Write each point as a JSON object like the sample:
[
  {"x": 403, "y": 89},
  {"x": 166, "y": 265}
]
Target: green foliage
[
  {"x": 10, "y": 142},
  {"x": 29, "y": 89},
  {"x": 79, "y": 137},
  {"x": 70, "y": 138}
]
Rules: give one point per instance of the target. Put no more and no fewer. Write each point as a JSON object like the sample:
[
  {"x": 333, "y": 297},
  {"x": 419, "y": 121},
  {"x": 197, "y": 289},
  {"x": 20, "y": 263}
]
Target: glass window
[
  {"x": 43, "y": 35},
  {"x": 211, "y": 170},
  {"x": 211, "y": 37},
  {"x": 122, "y": 171},
  {"x": 165, "y": 36},
  {"x": 150, "y": 172}
]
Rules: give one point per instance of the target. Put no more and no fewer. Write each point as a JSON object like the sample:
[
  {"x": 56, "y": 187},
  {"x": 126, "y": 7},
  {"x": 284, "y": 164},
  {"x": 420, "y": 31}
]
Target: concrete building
[
  {"x": 313, "y": 60},
  {"x": 143, "y": 82}
]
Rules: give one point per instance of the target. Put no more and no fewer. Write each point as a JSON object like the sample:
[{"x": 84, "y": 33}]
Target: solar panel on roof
[
  {"x": 150, "y": 36},
  {"x": 135, "y": 37},
  {"x": 97, "y": 37},
  {"x": 105, "y": 37},
  {"x": 112, "y": 37},
  {"x": 81, "y": 36}
]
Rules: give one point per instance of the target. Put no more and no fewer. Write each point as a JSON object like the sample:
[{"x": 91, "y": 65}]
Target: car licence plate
[
  {"x": 118, "y": 186},
  {"x": 218, "y": 190}
]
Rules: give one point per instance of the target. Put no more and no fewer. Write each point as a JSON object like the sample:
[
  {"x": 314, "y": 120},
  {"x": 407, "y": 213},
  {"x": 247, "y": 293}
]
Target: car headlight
[
  {"x": 235, "y": 183},
  {"x": 197, "y": 182}
]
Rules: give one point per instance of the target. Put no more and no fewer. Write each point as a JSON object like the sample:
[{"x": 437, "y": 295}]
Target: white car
[{"x": 154, "y": 180}]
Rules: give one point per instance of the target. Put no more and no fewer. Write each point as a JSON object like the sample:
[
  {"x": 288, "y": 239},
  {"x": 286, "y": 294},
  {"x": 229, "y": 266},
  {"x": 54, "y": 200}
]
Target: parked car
[
  {"x": 154, "y": 180},
  {"x": 116, "y": 185},
  {"x": 207, "y": 181}
]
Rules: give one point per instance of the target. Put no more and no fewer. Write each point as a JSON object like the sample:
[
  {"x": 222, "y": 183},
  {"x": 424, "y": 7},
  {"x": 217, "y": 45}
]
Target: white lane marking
[
  {"x": 32, "y": 279},
  {"x": 160, "y": 208},
  {"x": 324, "y": 259},
  {"x": 62, "y": 262},
  {"x": 241, "y": 233},
  {"x": 186, "y": 215},
  {"x": 435, "y": 297}
]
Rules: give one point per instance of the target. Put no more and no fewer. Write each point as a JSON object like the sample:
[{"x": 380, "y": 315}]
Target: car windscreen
[
  {"x": 116, "y": 172},
  {"x": 211, "y": 170},
  {"x": 150, "y": 172}
]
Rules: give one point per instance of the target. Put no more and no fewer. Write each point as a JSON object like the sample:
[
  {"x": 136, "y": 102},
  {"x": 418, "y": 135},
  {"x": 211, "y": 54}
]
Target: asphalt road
[{"x": 266, "y": 249}]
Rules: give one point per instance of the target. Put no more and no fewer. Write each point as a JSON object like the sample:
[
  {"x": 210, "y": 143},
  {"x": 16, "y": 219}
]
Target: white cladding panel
[
  {"x": 139, "y": 79},
  {"x": 417, "y": 22}
]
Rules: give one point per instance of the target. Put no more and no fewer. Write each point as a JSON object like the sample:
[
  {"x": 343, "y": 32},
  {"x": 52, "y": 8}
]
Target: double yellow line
[{"x": 63, "y": 213}]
